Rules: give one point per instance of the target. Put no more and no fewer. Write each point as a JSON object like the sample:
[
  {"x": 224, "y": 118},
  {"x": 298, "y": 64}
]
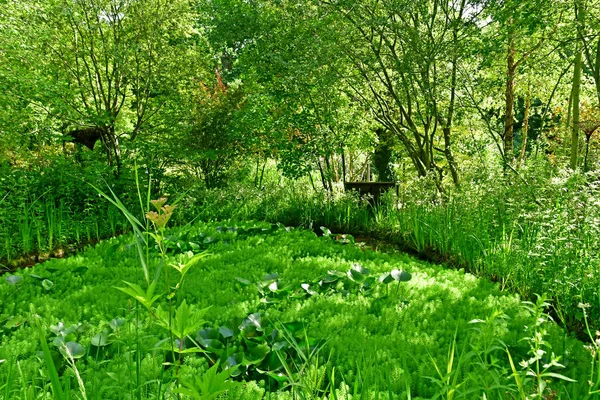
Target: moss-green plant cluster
[{"x": 444, "y": 330}]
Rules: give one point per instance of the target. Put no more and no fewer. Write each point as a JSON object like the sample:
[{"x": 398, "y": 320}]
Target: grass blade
[{"x": 52, "y": 372}]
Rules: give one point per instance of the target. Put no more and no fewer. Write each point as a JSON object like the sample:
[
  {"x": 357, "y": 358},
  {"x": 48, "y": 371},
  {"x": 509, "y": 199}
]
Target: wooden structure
[{"x": 374, "y": 189}]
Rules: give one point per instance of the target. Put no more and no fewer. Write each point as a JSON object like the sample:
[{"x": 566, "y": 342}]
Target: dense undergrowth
[
  {"x": 532, "y": 239},
  {"x": 260, "y": 292},
  {"x": 48, "y": 207}
]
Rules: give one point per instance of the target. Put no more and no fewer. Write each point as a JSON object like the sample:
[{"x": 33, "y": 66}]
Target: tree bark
[
  {"x": 510, "y": 100},
  {"x": 579, "y": 11},
  {"x": 448, "y": 126},
  {"x": 450, "y": 157},
  {"x": 343, "y": 163},
  {"x": 323, "y": 180},
  {"x": 568, "y": 124},
  {"x": 597, "y": 71},
  {"x": 525, "y": 129}
]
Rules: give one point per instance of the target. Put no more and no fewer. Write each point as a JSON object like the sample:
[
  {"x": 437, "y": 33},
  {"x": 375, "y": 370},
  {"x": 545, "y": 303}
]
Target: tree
[
  {"x": 103, "y": 67},
  {"x": 298, "y": 108},
  {"x": 207, "y": 139},
  {"x": 588, "y": 31},
  {"x": 406, "y": 57},
  {"x": 523, "y": 27}
]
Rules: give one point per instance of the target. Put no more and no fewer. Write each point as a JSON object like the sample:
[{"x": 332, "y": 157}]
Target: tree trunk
[
  {"x": 597, "y": 72},
  {"x": 568, "y": 124},
  {"x": 262, "y": 173},
  {"x": 351, "y": 167},
  {"x": 525, "y": 129},
  {"x": 510, "y": 100},
  {"x": 448, "y": 126},
  {"x": 117, "y": 150},
  {"x": 312, "y": 182},
  {"x": 579, "y": 11},
  {"x": 323, "y": 180},
  {"x": 450, "y": 156},
  {"x": 329, "y": 173},
  {"x": 256, "y": 173},
  {"x": 343, "y": 163}
]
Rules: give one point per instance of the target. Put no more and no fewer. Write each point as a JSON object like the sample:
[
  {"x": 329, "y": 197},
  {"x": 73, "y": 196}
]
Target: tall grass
[{"x": 46, "y": 224}]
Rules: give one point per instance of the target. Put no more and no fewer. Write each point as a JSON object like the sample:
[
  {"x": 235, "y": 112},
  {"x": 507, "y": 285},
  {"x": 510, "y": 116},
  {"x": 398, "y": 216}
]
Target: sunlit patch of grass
[{"x": 390, "y": 339}]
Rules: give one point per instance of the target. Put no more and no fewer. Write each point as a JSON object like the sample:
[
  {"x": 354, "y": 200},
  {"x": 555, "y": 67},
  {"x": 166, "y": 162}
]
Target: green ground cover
[
  {"x": 267, "y": 304},
  {"x": 498, "y": 233}
]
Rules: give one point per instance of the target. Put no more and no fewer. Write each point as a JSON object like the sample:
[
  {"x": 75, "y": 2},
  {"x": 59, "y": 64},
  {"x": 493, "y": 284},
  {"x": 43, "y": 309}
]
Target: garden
[{"x": 335, "y": 200}]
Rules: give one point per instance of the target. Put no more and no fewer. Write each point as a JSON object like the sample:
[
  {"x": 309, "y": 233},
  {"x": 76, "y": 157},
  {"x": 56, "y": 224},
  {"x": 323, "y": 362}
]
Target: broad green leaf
[
  {"x": 226, "y": 332},
  {"x": 386, "y": 278},
  {"x": 146, "y": 298},
  {"x": 72, "y": 350},
  {"x": 558, "y": 376},
  {"x": 294, "y": 327},
  {"x": 256, "y": 354},
  {"x": 186, "y": 321},
  {"x": 270, "y": 277},
  {"x": 117, "y": 323},
  {"x": 401, "y": 276},
  {"x": 184, "y": 268},
  {"x": 79, "y": 270},
  {"x": 101, "y": 339},
  {"x": 15, "y": 322}
]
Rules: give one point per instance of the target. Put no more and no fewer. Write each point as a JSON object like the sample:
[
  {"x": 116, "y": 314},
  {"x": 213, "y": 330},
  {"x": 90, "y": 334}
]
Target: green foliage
[
  {"x": 209, "y": 385},
  {"x": 49, "y": 209},
  {"x": 209, "y": 142},
  {"x": 404, "y": 334},
  {"x": 49, "y": 361},
  {"x": 145, "y": 297},
  {"x": 499, "y": 233}
]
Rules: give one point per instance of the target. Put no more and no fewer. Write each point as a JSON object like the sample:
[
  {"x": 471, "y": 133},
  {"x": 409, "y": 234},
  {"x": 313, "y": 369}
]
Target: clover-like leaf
[
  {"x": 308, "y": 289},
  {"x": 234, "y": 362},
  {"x": 256, "y": 354},
  {"x": 47, "y": 284},
  {"x": 358, "y": 273},
  {"x": 401, "y": 276},
  {"x": 270, "y": 277},
  {"x": 117, "y": 323},
  {"x": 386, "y": 278},
  {"x": 226, "y": 331}
]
